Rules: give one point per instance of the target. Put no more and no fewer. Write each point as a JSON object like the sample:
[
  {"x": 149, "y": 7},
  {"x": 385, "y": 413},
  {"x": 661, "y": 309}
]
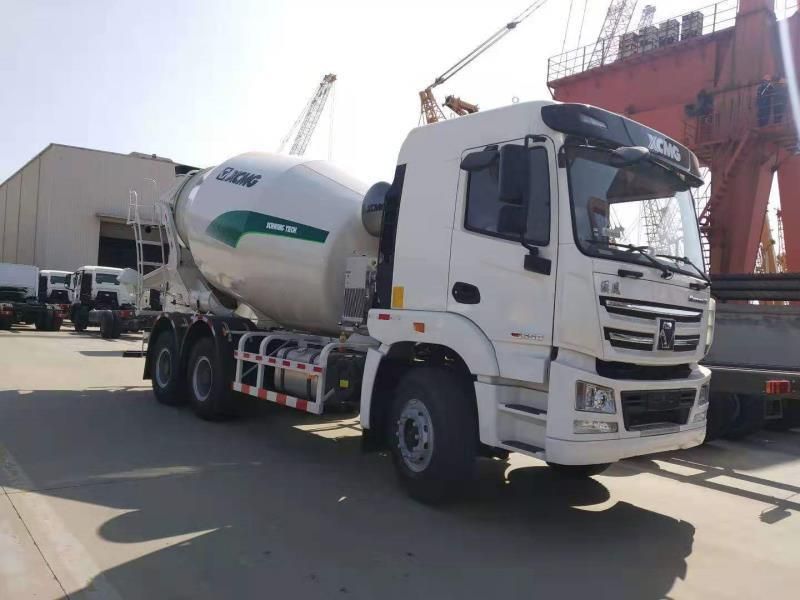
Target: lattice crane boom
[
  {"x": 430, "y": 111},
  {"x": 618, "y": 19},
  {"x": 303, "y": 128}
]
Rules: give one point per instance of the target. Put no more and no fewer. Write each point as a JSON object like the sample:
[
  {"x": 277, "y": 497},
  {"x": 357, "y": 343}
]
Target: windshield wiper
[
  {"x": 685, "y": 260},
  {"x": 666, "y": 272}
]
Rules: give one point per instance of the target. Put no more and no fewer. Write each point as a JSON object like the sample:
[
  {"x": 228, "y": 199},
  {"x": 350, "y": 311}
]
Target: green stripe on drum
[{"x": 230, "y": 227}]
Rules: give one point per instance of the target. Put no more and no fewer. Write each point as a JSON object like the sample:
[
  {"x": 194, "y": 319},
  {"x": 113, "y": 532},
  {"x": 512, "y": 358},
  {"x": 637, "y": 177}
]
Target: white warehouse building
[{"x": 67, "y": 206}]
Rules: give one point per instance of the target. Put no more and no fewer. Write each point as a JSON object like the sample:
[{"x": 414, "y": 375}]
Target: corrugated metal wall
[{"x": 49, "y": 210}]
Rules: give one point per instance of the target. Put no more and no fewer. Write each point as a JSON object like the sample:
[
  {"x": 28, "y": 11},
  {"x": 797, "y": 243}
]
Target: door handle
[{"x": 466, "y": 293}]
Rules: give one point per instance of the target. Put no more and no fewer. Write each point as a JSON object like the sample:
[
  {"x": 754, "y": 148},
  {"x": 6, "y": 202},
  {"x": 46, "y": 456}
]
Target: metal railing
[
  {"x": 704, "y": 21},
  {"x": 761, "y": 108}
]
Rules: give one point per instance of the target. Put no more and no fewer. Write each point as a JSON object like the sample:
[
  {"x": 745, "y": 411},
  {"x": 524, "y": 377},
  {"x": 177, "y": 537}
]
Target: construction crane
[
  {"x": 648, "y": 14},
  {"x": 306, "y": 123},
  {"x": 430, "y": 110},
  {"x": 618, "y": 19}
]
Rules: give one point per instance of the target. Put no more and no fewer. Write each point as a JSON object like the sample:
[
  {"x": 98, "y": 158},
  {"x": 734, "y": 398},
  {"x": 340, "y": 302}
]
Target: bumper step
[{"x": 524, "y": 447}]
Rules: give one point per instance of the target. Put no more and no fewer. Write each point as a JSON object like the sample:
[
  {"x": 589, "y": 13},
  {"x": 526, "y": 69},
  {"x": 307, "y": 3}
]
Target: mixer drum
[{"x": 275, "y": 232}]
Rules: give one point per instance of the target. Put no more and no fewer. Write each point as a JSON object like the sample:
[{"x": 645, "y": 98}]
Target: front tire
[
  {"x": 80, "y": 319},
  {"x": 106, "y": 325},
  {"x": 165, "y": 371},
  {"x": 433, "y": 434},
  {"x": 208, "y": 387}
]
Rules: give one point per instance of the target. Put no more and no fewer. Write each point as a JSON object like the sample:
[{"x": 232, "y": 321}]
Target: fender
[
  {"x": 442, "y": 328},
  {"x": 424, "y": 327}
]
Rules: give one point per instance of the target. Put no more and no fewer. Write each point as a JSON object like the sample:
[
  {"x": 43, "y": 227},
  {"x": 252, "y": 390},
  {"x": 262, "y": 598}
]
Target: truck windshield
[
  {"x": 625, "y": 213},
  {"x": 107, "y": 278},
  {"x": 58, "y": 279}
]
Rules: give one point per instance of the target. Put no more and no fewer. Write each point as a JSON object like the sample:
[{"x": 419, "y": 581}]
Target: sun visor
[{"x": 598, "y": 124}]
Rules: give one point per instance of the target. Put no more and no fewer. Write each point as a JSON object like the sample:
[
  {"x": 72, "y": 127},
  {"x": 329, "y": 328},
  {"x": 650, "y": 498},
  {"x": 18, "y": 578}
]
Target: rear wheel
[
  {"x": 749, "y": 416},
  {"x": 578, "y": 471},
  {"x": 5, "y": 324},
  {"x": 41, "y": 321},
  {"x": 55, "y": 324},
  {"x": 164, "y": 370},
  {"x": 433, "y": 434},
  {"x": 208, "y": 387}
]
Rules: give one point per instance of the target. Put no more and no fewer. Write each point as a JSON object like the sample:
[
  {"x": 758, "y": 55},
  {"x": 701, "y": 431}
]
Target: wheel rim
[
  {"x": 202, "y": 379},
  {"x": 164, "y": 367},
  {"x": 415, "y": 435}
]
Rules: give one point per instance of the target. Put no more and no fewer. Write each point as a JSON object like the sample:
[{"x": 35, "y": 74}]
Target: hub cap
[
  {"x": 164, "y": 367},
  {"x": 415, "y": 435},
  {"x": 202, "y": 379}
]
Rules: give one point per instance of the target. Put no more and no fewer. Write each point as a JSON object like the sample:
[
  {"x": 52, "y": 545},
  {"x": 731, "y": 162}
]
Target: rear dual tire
[
  {"x": 207, "y": 385},
  {"x": 110, "y": 326},
  {"x": 165, "y": 370}
]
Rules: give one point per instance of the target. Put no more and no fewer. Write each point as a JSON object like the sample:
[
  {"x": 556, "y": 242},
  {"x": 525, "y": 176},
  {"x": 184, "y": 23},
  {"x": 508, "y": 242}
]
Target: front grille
[
  {"x": 621, "y": 370},
  {"x": 686, "y": 343},
  {"x": 632, "y": 340},
  {"x": 106, "y": 300},
  {"x": 650, "y": 310},
  {"x": 654, "y": 407}
]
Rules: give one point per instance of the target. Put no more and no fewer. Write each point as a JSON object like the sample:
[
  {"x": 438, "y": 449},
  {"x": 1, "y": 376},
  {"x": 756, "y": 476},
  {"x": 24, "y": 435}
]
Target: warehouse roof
[{"x": 139, "y": 155}]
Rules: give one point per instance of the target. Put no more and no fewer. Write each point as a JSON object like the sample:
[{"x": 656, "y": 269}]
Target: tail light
[{"x": 778, "y": 386}]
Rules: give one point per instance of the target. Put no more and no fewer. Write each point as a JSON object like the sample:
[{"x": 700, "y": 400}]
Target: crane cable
[
  {"x": 583, "y": 20},
  {"x": 566, "y": 29},
  {"x": 488, "y": 43}
]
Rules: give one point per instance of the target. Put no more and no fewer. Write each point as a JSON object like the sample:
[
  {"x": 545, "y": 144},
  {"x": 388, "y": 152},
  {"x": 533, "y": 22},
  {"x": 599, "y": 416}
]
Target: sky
[{"x": 202, "y": 81}]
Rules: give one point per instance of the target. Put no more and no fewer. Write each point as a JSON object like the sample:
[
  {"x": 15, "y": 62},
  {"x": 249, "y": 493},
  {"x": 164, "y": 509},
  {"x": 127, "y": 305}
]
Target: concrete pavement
[{"x": 109, "y": 495}]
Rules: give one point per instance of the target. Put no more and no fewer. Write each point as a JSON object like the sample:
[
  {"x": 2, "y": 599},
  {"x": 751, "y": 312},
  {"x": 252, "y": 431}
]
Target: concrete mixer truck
[{"x": 531, "y": 281}]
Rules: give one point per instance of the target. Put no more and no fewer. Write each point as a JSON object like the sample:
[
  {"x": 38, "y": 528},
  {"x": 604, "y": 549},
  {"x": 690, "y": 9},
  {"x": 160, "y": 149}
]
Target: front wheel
[
  {"x": 208, "y": 386},
  {"x": 80, "y": 319},
  {"x": 433, "y": 434},
  {"x": 164, "y": 370},
  {"x": 578, "y": 471}
]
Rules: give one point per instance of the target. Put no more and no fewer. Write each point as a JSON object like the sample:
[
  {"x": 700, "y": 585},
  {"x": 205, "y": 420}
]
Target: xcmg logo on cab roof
[{"x": 663, "y": 147}]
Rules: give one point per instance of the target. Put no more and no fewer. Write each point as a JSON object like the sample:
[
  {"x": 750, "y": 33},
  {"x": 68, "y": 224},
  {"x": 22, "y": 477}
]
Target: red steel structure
[{"x": 698, "y": 79}]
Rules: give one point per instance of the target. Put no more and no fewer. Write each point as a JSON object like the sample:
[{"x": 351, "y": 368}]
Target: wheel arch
[{"x": 384, "y": 369}]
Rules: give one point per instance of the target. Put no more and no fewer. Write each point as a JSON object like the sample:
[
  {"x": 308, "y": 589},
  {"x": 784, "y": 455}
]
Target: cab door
[{"x": 504, "y": 251}]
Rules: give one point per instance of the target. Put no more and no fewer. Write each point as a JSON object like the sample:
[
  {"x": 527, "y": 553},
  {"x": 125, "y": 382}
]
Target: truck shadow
[
  {"x": 278, "y": 503},
  {"x": 732, "y": 468}
]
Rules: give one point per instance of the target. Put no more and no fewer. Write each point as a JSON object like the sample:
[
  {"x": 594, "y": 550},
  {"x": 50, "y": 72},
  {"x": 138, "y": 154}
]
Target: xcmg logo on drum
[{"x": 243, "y": 178}]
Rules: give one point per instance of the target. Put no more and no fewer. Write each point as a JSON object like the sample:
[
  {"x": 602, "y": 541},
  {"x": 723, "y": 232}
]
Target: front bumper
[
  {"x": 563, "y": 446},
  {"x": 552, "y": 430}
]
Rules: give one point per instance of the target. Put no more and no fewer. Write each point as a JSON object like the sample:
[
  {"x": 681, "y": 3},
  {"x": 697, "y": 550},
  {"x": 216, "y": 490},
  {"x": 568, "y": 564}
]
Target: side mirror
[
  {"x": 478, "y": 161},
  {"x": 629, "y": 155},
  {"x": 514, "y": 174}
]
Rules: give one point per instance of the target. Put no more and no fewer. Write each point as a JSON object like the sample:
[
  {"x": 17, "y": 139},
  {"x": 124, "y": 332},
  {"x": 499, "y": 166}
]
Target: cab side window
[{"x": 486, "y": 213}]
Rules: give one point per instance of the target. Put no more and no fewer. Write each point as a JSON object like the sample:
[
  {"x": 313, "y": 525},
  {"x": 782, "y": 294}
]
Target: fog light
[
  {"x": 585, "y": 426},
  {"x": 594, "y": 398},
  {"x": 702, "y": 399},
  {"x": 699, "y": 417}
]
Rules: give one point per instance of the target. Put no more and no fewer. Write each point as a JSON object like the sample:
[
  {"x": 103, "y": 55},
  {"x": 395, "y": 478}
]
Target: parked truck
[
  {"x": 755, "y": 359},
  {"x": 19, "y": 301},
  {"x": 508, "y": 291},
  {"x": 104, "y": 297}
]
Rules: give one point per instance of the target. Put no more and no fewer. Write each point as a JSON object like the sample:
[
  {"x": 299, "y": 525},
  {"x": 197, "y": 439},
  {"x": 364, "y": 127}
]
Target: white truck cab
[
  {"x": 54, "y": 286},
  {"x": 551, "y": 248}
]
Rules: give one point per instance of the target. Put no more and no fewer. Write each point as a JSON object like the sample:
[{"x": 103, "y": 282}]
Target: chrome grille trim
[{"x": 648, "y": 310}]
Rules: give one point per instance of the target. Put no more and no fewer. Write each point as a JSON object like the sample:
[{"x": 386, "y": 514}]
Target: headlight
[
  {"x": 702, "y": 399},
  {"x": 699, "y": 417},
  {"x": 594, "y": 398},
  {"x": 585, "y": 426}
]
